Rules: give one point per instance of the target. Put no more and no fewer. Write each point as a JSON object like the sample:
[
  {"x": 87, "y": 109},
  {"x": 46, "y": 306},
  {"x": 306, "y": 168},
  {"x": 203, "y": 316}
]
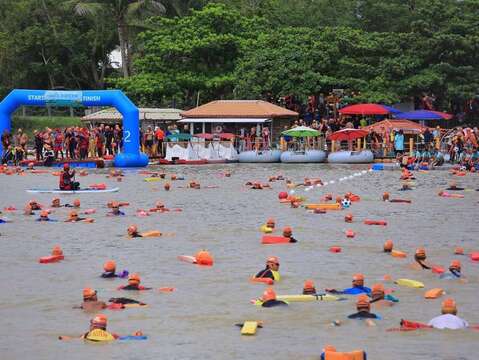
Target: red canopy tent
[
  {"x": 367, "y": 109},
  {"x": 407, "y": 126}
]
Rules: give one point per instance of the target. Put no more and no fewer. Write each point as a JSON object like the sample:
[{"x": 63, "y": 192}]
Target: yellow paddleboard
[
  {"x": 151, "y": 179},
  {"x": 307, "y": 298},
  {"x": 249, "y": 328},
  {"x": 326, "y": 206},
  {"x": 409, "y": 283}
]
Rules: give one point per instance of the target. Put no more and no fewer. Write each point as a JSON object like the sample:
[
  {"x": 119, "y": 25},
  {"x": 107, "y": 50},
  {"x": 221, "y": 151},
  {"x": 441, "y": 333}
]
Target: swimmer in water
[
  {"x": 288, "y": 233},
  {"x": 271, "y": 223},
  {"x": 378, "y": 297},
  {"x": 271, "y": 271},
  {"x": 357, "y": 288},
  {"x": 388, "y": 246},
  {"x": 115, "y": 209},
  {"x": 420, "y": 257},
  {"x": 449, "y": 318},
  {"x": 364, "y": 309},
  {"x": 90, "y": 301},
  {"x": 73, "y": 217},
  {"x": 56, "y": 203},
  {"x": 110, "y": 271},
  {"x": 134, "y": 281},
  {"x": 76, "y": 204},
  {"x": 98, "y": 331},
  {"x": 34, "y": 205},
  {"x": 133, "y": 231},
  {"x": 269, "y": 299},
  {"x": 454, "y": 271},
  {"x": 309, "y": 288},
  {"x": 406, "y": 186},
  {"x": 453, "y": 187},
  {"x": 44, "y": 216},
  {"x": 348, "y": 218}
]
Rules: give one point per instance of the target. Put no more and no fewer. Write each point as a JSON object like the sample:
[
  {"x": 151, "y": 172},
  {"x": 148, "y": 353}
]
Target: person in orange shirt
[{"x": 160, "y": 136}]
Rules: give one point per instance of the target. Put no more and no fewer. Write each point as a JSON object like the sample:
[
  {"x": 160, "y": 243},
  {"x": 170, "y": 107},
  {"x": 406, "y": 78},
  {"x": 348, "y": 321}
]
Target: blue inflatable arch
[{"x": 131, "y": 155}]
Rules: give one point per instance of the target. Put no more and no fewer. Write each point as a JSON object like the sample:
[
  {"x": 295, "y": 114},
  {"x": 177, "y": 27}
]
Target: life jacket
[
  {"x": 276, "y": 275},
  {"x": 351, "y": 355},
  {"x": 98, "y": 335}
]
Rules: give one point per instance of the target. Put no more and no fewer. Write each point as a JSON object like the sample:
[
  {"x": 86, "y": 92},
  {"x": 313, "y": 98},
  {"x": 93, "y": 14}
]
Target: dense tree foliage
[{"x": 386, "y": 51}]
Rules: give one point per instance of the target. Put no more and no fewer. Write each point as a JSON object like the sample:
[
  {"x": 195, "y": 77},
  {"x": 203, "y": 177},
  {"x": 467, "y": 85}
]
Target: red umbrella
[
  {"x": 348, "y": 134},
  {"x": 205, "y": 136},
  {"x": 365, "y": 109}
]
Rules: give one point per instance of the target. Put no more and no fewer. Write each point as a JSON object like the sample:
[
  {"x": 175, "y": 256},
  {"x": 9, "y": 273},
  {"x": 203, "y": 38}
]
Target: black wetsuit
[
  {"x": 455, "y": 189},
  {"x": 124, "y": 300},
  {"x": 363, "y": 315},
  {"x": 109, "y": 275},
  {"x": 273, "y": 303},
  {"x": 134, "y": 287},
  {"x": 266, "y": 273}
]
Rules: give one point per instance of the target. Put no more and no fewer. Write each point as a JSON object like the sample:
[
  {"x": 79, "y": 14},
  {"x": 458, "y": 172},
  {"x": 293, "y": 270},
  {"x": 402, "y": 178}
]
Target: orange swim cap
[
  {"x": 132, "y": 229},
  {"x": 273, "y": 259},
  {"x": 388, "y": 246},
  {"x": 44, "y": 214},
  {"x": 328, "y": 196},
  {"x": 420, "y": 254},
  {"x": 88, "y": 293},
  {"x": 159, "y": 205},
  {"x": 449, "y": 306},
  {"x": 338, "y": 199},
  {"x": 57, "y": 251},
  {"x": 329, "y": 348},
  {"x": 309, "y": 285},
  {"x": 167, "y": 186},
  {"x": 362, "y": 302},
  {"x": 287, "y": 231},
  {"x": 115, "y": 204},
  {"x": 173, "y": 177},
  {"x": 459, "y": 251},
  {"x": 455, "y": 264},
  {"x": 203, "y": 257},
  {"x": 134, "y": 278},
  {"x": 73, "y": 214},
  {"x": 348, "y": 218},
  {"x": 99, "y": 320},
  {"x": 269, "y": 294},
  {"x": 109, "y": 266},
  {"x": 385, "y": 196},
  {"x": 76, "y": 203},
  {"x": 358, "y": 277},
  {"x": 270, "y": 222}
]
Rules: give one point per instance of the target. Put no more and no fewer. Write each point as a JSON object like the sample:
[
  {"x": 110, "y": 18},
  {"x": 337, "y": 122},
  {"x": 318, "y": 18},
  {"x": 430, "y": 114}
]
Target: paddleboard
[
  {"x": 249, "y": 328},
  {"x": 409, "y": 283},
  {"x": 152, "y": 179},
  {"x": 81, "y": 191}
]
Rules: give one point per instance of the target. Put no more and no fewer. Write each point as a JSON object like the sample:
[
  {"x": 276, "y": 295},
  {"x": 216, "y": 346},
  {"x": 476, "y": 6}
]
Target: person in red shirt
[{"x": 160, "y": 136}]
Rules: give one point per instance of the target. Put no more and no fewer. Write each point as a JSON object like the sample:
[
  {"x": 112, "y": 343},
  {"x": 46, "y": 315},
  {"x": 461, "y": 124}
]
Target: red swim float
[
  {"x": 335, "y": 249},
  {"x": 51, "y": 259},
  {"x": 267, "y": 281},
  {"x": 376, "y": 222},
  {"x": 475, "y": 256},
  {"x": 271, "y": 239}
]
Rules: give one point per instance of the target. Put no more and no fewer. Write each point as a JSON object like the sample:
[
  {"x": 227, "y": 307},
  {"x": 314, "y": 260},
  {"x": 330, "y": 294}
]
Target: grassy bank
[{"x": 30, "y": 123}]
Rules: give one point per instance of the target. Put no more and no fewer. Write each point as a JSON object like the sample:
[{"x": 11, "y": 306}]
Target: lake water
[{"x": 197, "y": 320}]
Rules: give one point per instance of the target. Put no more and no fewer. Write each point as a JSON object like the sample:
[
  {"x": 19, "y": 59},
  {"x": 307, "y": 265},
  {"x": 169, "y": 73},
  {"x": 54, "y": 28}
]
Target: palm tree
[{"x": 120, "y": 11}]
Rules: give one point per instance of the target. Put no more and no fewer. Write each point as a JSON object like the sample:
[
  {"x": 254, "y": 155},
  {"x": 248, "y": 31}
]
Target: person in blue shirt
[
  {"x": 357, "y": 288},
  {"x": 115, "y": 209},
  {"x": 454, "y": 271},
  {"x": 399, "y": 142}
]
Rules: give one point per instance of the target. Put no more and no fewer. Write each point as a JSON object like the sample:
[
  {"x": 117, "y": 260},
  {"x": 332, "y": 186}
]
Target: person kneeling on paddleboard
[
  {"x": 269, "y": 299},
  {"x": 363, "y": 306},
  {"x": 271, "y": 270},
  {"x": 448, "y": 319},
  {"x": 67, "y": 178},
  {"x": 90, "y": 301},
  {"x": 358, "y": 287},
  {"x": 133, "y": 283}
]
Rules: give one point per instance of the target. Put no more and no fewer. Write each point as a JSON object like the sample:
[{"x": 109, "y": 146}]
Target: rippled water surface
[{"x": 197, "y": 320}]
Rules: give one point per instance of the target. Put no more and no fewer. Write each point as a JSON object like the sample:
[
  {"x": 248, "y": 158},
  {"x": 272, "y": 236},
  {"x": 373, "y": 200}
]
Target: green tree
[{"x": 121, "y": 11}]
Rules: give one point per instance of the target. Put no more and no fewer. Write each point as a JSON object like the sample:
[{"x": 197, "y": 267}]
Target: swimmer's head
[
  {"x": 449, "y": 307},
  {"x": 109, "y": 266},
  {"x": 358, "y": 280},
  {"x": 362, "y": 303},
  {"x": 386, "y": 196},
  {"x": 268, "y": 294},
  {"x": 134, "y": 279},
  {"x": 377, "y": 291},
  {"x": 388, "y": 246},
  {"x": 420, "y": 254}
]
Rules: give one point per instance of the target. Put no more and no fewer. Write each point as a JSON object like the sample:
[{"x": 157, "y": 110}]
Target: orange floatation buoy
[
  {"x": 203, "y": 257},
  {"x": 56, "y": 256},
  {"x": 348, "y": 218}
]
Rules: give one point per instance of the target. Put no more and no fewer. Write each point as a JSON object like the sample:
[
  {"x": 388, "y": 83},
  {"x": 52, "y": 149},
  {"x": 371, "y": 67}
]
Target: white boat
[
  {"x": 263, "y": 156},
  {"x": 351, "y": 157},
  {"x": 307, "y": 156},
  {"x": 80, "y": 191}
]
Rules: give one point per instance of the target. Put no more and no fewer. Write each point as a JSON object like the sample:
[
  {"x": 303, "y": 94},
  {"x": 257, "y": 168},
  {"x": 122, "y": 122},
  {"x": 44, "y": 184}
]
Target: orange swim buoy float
[
  {"x": 375, "y": 222},
  {"x": 203, "y": 257},
  {"x": 398, "y": 254},
  {"x": 270, "y": 239}
]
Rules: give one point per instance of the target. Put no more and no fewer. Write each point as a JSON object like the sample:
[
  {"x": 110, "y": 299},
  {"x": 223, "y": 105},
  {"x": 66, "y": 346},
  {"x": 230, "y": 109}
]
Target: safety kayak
[{"x": 80, "y": 191}]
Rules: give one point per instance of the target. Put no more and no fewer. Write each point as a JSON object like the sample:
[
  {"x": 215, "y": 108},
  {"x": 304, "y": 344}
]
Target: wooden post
[
  {"x": 385, "y": 146},
  {"x": 365, "y": 144},
  {"x": 358, "y": 145},
  {"x": 411, "y": 146},
  {"x": 333, "y": 145}
]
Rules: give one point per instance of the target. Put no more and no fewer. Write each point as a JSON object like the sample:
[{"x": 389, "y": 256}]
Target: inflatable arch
[{"x": 131, "y": 155}]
